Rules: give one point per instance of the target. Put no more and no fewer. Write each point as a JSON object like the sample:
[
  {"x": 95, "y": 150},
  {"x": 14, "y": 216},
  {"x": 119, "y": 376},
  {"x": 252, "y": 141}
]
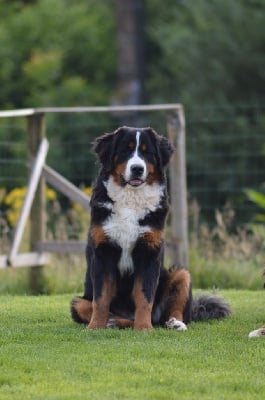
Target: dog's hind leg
[
  {"x": 81, "y": 310},
  {"x": 177, "y": 300}
]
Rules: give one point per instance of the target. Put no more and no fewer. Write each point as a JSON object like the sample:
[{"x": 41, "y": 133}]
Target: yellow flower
[
  {"x": 14, "y": 195},
  {"x": 77, "y": 207},
  {"x": 50, "y": 194},
  {"x": 12, "y": 216},
  {"x": 15, "y": 198},
  {"x": 87, "y": 190},
  {"x": 2, "y": 194}
]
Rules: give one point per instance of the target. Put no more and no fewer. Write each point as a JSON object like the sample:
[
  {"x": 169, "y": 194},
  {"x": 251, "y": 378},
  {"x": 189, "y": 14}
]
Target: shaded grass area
[{"x": 44, "y": 355}]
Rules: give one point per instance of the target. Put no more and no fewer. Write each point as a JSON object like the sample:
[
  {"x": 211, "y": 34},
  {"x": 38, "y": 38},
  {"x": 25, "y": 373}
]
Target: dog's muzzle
[{"x": 137, "y": 175}]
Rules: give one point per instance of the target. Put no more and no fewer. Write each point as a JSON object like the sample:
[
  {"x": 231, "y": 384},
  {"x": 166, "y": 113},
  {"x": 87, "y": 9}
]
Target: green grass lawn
[{"x": 44, "y": 355}]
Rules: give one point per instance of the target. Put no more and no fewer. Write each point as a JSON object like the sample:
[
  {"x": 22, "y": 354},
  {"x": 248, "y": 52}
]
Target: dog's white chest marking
[{"x": 130, "y": 205}]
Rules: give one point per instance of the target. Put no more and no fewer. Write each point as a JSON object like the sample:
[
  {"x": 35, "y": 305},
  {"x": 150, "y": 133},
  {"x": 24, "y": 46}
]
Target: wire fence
[
  {"x": 34, "y": 199},
  {"x": 225, "y": 156},
  {"x": 225, "y": 153}
]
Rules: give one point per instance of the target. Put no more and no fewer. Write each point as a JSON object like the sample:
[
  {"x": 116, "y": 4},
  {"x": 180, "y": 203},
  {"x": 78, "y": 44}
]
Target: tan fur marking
[
  {"x": 98, "y": 235},
  {"x": 100, "y": 314},
  {"x": 143, "y": 147},
  {"x": 124, "y": 323},
  {"x": 180, "y": 280},
  {"x": 154, "y": 238},
  {"x": 118, "y": 171},
  {"x": 152, "y": 175},
  {"x": 83, "y": 308},
  {"x": 143, "y": 309},
  {"x": 131, "y": 145},
  {"x": 150, "y": 168}
]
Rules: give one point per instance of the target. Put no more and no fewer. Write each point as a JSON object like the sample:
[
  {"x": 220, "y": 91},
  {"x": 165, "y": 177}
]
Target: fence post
[
  {"x": 36, "y": 132},
  {"x": 178, "y": 188}
]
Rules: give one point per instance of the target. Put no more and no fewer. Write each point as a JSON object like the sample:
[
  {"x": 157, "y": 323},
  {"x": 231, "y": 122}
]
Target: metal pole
[
  {"x": 36, "y": 132},
  {"x": 178, "y": 188}
]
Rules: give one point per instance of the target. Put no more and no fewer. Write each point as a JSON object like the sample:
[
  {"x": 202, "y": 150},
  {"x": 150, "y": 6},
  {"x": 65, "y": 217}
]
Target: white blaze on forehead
[
  {"x": 138, "y": 134},
  {"x": 136, "y": 160}
]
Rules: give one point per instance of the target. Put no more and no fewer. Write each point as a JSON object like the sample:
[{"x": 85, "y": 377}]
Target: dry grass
[
  {"x": 226, "y": 256},
  {"x": 222, "y": 256},
  {"x": 224, "y": 238}
]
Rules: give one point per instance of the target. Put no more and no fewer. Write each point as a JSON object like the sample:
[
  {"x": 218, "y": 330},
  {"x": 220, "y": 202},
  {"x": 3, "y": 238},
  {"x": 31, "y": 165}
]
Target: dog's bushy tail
[{"x": 206, "y": 307}]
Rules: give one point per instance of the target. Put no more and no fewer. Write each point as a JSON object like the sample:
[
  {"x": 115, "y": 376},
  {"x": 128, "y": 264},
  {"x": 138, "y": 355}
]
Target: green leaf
[
  {"x": 257, "y": 197},
  {"x": 259, "y": 217}
]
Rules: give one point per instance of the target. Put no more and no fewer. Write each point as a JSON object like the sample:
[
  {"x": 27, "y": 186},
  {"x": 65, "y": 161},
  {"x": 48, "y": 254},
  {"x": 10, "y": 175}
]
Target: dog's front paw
[{"x": 174, "y": 323}]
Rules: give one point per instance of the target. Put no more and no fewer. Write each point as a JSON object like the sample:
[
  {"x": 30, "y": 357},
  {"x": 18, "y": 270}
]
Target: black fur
[{"x": 206, "y": 307}]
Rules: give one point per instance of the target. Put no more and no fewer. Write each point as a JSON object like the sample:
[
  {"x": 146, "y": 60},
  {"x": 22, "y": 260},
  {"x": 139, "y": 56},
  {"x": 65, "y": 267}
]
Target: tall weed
[
  {"x": 225, "y": 255},
  {"x": 220, "y": 256}
]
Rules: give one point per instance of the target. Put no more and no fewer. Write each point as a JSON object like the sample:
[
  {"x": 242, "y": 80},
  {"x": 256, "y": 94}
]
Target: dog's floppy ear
[
  {"x": 164, "y": 148},
  {"x": 103, "y": 147}
]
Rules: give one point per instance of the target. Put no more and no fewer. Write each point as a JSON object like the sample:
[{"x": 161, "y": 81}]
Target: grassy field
[{"x": 44, "y": 355}]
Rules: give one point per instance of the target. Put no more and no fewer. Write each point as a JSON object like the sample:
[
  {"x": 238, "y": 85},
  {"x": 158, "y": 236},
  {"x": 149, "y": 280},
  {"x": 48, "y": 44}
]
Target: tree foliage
[
  {"x": 208, "y": 55},
  {"x": 56, "y": 53},
  {"x": 199, "y": 53},
  {"x": 207, "y": 52}
]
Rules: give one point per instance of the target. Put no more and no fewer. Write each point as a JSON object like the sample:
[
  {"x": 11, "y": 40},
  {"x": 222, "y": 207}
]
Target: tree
[
  {"x": 59, "y": 54},
  {"x": 130, "y": 63},
  {"x": 209, "y": 56}
]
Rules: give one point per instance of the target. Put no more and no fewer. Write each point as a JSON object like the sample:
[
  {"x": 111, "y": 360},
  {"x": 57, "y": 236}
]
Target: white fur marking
[
  {"x": 138, "y": 134},
  {"x": 106, "y": 205},
  {"x": 257, "y": 333},
  {"x": 112, "y": 323},
  {"x": 135, "y": 160},
  {"x": 174, "y": 323},
  {"x": 130, "y": 205}
]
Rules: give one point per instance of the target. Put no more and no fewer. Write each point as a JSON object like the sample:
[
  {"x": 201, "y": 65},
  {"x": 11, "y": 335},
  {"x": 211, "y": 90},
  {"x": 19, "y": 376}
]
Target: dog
[
  {"x": 261, "y": 331},
  {"x": 257, "y": 333},
  {"x": 126, "y": 283}
]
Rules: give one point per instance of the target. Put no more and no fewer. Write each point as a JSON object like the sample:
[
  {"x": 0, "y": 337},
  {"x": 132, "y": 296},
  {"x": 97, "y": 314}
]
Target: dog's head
[{"x": 134, "y": 156}]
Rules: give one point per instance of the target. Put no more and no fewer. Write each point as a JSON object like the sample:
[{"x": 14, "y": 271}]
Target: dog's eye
[
  {"x": 143, "y": 148},
  {"x": 131, "y": 146}
]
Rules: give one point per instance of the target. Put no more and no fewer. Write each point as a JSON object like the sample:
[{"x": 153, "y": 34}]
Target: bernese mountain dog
[
  {"x": 126, "y": 282},
  {"x": 257, "y": 333},
  {"x": 261, "y": 331}
]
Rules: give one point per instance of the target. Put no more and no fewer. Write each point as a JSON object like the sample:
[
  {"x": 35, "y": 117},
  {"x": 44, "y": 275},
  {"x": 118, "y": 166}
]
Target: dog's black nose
[{"x": 137, "y": 170}]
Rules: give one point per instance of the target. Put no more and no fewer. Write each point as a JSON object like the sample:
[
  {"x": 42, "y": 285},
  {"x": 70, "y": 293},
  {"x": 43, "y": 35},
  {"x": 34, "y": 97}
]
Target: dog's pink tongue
[{"x": 135, "y": 182}]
